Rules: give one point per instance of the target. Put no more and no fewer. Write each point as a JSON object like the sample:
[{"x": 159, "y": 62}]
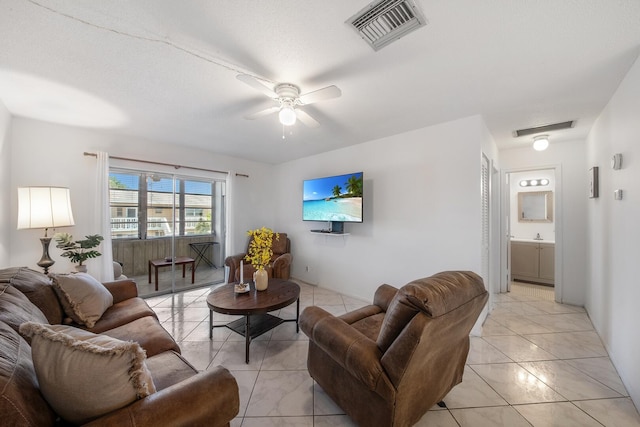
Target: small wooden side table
[{"x": 164, "y": 262}]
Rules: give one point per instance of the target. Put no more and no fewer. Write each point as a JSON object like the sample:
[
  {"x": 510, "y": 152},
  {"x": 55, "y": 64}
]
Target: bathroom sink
[{"x": 517, "y": 239}]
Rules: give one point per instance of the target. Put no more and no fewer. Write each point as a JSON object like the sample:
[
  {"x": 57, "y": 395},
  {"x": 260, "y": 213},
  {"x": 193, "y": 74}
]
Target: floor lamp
[{"x": 44, "y": 207}]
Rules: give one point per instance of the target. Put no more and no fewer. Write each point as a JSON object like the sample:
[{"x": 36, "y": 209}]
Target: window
[
  {"x": 159, "y": 209},
  {"x": 194, "y": 212},
  {"x": 197, "y": 207},
  {"x": 124, "y": 196},
  {"x": 156, "y": 206}
]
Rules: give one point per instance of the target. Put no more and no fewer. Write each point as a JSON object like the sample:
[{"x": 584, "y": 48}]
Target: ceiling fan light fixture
[
  {"x": 288, "y": 97},
  {"x": 540, "y": 143},
  {"x": 287, "y": 115}
]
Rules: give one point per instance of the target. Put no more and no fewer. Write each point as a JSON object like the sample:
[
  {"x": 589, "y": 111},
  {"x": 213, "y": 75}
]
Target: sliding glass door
[{"x": 167, "y": 230}]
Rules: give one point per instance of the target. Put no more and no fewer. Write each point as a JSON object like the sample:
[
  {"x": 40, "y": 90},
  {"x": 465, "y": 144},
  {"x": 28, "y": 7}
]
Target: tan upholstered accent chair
[
  {"x": 388, "y": 363},
  {"x": 279, "y": 267}
]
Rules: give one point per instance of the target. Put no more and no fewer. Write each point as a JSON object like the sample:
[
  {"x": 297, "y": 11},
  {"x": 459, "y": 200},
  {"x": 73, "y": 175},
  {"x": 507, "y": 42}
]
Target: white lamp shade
[
  {"x": 287, "y": 115},
  {"x": 44, "y": 207}
]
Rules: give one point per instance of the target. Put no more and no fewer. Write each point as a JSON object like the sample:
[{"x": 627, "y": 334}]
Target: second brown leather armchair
[
  {"x": 388, "y": 363},
  {"x": 279, "y": 267}
]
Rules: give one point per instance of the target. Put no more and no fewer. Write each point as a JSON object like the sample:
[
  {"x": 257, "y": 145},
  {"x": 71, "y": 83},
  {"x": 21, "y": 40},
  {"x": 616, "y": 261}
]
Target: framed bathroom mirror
[{"x": 535, "y": 206}]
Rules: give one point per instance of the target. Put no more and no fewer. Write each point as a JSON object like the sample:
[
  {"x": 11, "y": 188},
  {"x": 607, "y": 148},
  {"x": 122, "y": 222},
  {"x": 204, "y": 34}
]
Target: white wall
[
  {"x": 5, "y": 189},
  {"x": 414, "y": 225},
  {"x": 48, "y": 154},
  {"x": 421, "y": 209},
  {"x": 613, "y": 290},
  {"x": 526, "y": 229},
  {"x": 572, "y": 191}
]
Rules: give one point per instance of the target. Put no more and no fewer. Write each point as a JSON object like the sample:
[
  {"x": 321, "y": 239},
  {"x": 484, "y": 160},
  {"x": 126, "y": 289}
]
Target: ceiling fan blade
[
  {"x": 257, "y": 84},
  {"x": 262, "y": 113},
  {"x": 320, "y": 95},
  {"x": 306, "y": 119}
]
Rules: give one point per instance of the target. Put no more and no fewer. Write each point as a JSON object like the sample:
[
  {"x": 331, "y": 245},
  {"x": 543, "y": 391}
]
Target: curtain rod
[{"x": 162, "y": 164}]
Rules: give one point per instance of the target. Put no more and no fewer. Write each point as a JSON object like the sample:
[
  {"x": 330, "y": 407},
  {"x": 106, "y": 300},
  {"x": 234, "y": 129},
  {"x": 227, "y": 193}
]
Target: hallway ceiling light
[{"x": 540, "y": 143}]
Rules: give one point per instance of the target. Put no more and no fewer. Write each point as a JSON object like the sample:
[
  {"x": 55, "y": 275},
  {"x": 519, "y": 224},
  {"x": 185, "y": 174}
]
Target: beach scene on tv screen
[{"x": 334, "y": 198}]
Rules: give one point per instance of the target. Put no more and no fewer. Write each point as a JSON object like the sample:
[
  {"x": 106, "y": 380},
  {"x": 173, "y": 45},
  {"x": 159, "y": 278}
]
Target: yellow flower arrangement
[{"x": 260, "y": 251}]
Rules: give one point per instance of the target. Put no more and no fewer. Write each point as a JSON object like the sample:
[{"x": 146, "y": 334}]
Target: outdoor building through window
[{"x": 147, "y": 206}]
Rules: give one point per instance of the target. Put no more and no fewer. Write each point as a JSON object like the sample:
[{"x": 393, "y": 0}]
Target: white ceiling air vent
[
  {"x": 544, "y": 129},
  {"x": 382, "y": 22}
]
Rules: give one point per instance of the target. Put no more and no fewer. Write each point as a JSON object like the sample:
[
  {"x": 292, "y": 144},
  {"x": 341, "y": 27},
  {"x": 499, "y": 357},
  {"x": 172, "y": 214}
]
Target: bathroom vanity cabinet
[{"x": 533, "y": 262}]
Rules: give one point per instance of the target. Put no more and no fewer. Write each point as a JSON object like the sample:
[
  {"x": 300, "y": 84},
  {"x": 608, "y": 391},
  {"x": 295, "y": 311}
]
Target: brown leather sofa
[
  {"x": 279, "y": 267},
  {"x": 184, "y": 397},
  {"x": 388, "y": 363}
]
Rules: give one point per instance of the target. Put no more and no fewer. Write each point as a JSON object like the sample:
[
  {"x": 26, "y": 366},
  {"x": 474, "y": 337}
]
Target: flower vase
[
  {"x": 262, "y": 279},
  {"x": 81, "y": 268}
]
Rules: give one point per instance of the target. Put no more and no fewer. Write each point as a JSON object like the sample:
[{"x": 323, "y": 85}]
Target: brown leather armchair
[
  {"x": 388, "y": 363},
  {"x": 279, "y": 267}
]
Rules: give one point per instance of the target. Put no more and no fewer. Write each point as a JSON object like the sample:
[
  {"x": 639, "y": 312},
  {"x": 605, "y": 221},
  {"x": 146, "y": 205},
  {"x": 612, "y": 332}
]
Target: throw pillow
[
  {"x": 37, "y": 287},
  {"x": 83, "y": 298},
  {"x": 15, "y": 308},
  {"x": 83, "y": 375}
]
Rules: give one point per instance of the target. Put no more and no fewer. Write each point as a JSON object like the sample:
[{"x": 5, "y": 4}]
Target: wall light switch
[
  {"x": 617, "y": 195},
  {"x": 616, "y": 161}
]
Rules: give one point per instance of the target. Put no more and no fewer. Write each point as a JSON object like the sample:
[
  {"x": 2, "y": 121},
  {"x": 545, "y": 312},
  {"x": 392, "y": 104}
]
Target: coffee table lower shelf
[
  {"x": 254, "y": 325},
  {"x": 258, "y": 324}
]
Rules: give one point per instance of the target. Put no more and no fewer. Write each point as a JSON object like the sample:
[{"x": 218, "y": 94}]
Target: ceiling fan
[{"x": 288, "y": 99}]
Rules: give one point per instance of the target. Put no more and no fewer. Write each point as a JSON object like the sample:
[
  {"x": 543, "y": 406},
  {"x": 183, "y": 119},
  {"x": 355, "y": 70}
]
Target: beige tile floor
[{"x": 537, "y": 363}]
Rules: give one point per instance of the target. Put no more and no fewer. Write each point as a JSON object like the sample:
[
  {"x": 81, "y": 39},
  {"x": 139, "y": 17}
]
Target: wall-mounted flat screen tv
[{"x": 333, "y": 198}]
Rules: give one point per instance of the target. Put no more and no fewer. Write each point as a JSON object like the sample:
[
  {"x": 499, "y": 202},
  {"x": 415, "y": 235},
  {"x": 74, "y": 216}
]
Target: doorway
[
  {"x": 168, "y": 230},
  {"x": 532, "y": 239}
]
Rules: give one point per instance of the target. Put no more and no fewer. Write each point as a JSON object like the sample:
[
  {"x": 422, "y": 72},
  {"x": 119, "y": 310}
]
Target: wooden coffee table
[{"x": 254, "y": 306}]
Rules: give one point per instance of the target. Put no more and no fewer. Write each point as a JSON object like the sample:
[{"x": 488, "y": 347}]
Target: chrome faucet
[{"x": 537, "y": 237}]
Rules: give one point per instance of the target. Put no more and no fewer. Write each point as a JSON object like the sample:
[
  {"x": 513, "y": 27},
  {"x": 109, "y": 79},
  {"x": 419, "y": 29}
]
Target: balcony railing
[
  {"x": 135, "y": 254},
  {"x": 155, "y": 224}
]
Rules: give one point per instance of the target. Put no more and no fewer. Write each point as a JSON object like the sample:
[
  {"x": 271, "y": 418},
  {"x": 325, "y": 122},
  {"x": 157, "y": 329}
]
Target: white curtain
[
  {"x": 102, "y": 220},
  {"x": 228, "y": 238}
]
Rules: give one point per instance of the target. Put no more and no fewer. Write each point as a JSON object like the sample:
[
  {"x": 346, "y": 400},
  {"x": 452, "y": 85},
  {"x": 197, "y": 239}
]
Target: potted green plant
[{"x": 78, "y": 251}]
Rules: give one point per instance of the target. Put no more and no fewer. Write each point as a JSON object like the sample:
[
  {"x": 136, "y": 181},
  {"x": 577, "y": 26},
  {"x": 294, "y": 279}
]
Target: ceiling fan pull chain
[{"x": 283, "y": 132}]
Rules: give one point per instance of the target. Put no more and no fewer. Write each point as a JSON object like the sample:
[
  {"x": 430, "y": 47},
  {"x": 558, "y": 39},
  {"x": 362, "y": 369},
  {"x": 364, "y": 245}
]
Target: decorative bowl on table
[{"x": 241, "y": 288}]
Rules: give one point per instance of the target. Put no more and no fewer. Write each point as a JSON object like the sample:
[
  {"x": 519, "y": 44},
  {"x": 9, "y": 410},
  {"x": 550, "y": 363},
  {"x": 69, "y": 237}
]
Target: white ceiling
[{"x": 166, "y": 70}]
